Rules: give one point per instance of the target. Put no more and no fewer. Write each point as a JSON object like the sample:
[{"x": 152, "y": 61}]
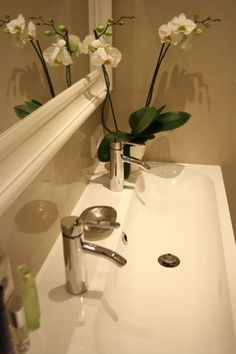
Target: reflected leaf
[{"x": 25, "y": 109}]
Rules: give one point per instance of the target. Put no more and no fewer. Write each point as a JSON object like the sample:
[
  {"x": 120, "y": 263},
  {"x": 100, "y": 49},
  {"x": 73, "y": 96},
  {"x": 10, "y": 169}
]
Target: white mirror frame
[{"x": 29, "y": 145}]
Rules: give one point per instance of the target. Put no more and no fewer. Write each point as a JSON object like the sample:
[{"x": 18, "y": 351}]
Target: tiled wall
[{"x": 200, "y": 81}]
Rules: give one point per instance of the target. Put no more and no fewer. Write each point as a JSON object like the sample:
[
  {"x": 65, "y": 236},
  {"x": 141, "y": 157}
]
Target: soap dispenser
[{"x": 29, "y": 295}]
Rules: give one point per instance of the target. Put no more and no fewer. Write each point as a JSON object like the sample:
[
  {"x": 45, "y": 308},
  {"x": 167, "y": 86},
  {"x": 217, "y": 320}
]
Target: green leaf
[
  {"x": 104, "y": 147},
  {"x": 153, "y": 128},
  {"x": 141, "y": 119},
  {"x": 160, "y": 110},
  {"x": 141, "y": 138},
  {"x": 173, "y": 120},
  {"x": 167, "y": 121}
]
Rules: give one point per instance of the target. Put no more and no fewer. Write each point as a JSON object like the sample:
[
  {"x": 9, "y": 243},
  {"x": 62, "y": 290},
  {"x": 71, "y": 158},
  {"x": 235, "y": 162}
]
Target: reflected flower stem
[
  {"x": 39, "y": 53},
  {"x": 108, "y": 96},
  {"x": 68, "y": 67}
]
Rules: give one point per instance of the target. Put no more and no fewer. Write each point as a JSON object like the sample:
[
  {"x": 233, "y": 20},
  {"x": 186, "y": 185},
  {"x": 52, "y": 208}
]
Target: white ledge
[{"x": 28, "y": 147}]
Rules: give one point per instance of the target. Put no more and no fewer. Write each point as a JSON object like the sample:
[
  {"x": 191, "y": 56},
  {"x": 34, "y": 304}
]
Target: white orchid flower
[
  {"x": 31, "y": 31},
  {"x": 57, "y": 54},
  {"x": 106, "y": 55},
  {"x": 75, "y": 44},
  {"x": 167, "y": 34},
  {"x": 17, "y": 25},
  {"x": 180, "y": 24},
  {"x": 90, "y": 44}
]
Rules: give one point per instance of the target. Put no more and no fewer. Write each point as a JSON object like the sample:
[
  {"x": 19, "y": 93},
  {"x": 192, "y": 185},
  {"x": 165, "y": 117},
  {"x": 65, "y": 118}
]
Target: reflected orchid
[
  {"x": 17, "y": 25},
  {"x": 75, "y": 44},
  {"x": 57, "y": 54}
]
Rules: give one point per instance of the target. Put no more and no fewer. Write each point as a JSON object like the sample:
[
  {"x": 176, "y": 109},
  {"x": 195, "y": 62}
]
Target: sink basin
[
  {"x": 156, "y": 309},
  {"x": 147, "y": 307}
]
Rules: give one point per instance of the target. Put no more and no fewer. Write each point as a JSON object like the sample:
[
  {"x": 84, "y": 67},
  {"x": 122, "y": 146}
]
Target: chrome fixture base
[
  {"x": 74, "y": 247},
  {"x": 117, "y": 159}
]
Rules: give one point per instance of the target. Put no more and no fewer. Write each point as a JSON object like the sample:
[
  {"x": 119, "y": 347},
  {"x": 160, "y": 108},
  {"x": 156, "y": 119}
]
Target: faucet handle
[
  {"x": 103, "y": 224},
  {"x": 71, "y": 226}
]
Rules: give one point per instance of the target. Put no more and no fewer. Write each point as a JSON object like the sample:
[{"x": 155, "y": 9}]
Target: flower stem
[
  {"x": 68, "y": 67},
  {"x": 68, "y": 75},
  {"x": 103, "y": 115},
  {"x": 207, "y": 20},
  {"x": 113, "y": 23},
  {"x": 161, "y": 56},
  {"x": 39, "y": 53},
  {"x": 108, "y": 95}
]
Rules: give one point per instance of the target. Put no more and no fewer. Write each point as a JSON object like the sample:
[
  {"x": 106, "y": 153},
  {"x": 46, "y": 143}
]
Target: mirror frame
[{"x": 29, "y": 145}]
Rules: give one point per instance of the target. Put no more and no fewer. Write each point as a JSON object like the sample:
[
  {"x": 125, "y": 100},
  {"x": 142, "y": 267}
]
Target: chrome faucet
[
  {"x": 117, "y": 159},
  {"x": 74, "y": 247}
]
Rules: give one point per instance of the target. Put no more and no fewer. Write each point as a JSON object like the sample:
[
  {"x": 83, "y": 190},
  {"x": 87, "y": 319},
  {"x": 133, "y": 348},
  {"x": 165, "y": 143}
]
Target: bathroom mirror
[
  {"x": 23, "y": 77},
  {"x": 29, "y": 144}
]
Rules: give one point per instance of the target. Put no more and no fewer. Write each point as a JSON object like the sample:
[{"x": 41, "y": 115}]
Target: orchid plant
[{"x": 147, "y": 120}]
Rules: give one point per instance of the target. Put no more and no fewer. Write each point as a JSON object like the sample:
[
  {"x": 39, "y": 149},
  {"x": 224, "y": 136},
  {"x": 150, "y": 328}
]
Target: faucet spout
[
  {"x": 104, "y": 252},
  {"x": 133, "y": 161}
]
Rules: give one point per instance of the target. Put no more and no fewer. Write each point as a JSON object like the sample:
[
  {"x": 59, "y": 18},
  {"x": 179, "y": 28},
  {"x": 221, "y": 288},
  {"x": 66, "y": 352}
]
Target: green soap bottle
[{"x": 29, "y": 297}]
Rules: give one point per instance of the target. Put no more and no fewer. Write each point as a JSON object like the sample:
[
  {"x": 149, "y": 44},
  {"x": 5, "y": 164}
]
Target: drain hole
[{"x": 169, "y": 260}]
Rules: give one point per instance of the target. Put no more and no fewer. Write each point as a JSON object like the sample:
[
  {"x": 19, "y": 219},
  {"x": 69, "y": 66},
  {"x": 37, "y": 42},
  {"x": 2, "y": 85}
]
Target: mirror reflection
[{"x": 26, "y": 76}]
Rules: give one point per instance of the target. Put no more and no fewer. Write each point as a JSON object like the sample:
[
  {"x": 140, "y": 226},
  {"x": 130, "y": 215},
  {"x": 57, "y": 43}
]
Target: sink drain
[{"x": 169, "y": 260}]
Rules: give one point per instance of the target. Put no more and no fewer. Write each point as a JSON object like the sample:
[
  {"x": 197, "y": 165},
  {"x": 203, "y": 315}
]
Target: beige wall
[
  {"x": 31, "y": 224},
  {"x": 201, "y": 81},
  {"x": 22, "y": 77}
]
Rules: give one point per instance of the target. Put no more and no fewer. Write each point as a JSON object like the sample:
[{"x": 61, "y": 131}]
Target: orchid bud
[
  {"x": 196, "y": 17},
  {"x": 198, "y": 31},
  {"x": 108, "y": 33},
  {"x": 110, "y": 21},
  {"x": 121, "y": 23},
  {"x": 48, "y": 33},
  {"x": 62, "y": 28},
  {"x": 100, "y": 28},
  {"x": 5, "y": 29},
  {"x": 207, "y": 25},
  {"x": 50, "y": 20}
]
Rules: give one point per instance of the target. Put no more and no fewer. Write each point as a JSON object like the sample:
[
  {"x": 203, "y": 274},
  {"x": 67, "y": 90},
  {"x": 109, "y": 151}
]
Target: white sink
[{"x": 145, "y": 307}]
